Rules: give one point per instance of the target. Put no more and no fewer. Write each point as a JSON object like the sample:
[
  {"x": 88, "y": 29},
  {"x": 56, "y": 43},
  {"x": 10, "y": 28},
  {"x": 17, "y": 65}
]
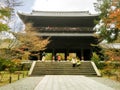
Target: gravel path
[
  {"x": 108, "y": 82},
  {"x": 70, "y": 82},
  {"x": 28, "y": 83}
]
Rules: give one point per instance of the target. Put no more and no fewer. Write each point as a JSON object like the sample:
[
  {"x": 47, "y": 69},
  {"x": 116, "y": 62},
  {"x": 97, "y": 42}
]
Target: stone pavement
[
  {"x": 107, "y": 82},
  {"x": 63, "y": 82},
  {"x": 28, "y": 83}
]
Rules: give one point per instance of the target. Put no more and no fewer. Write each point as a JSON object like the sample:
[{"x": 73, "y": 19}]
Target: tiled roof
[
  {"x": 59, "y": 13},
  {"x": 112, "y": 45}
]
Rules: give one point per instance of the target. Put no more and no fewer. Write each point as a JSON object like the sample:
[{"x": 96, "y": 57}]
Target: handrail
[
  {"x": 32, "y": 67},
  {"x": 96, "y": 69}
]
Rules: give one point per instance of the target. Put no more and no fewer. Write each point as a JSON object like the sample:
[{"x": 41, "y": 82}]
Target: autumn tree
[
  {"x": 7, "y": 12},
  {"x": 27, "y": 39},
  {"x": 113, "y": 53},
  {"x": 30, "y": 40},
  {"x": 109, "y": 25}
]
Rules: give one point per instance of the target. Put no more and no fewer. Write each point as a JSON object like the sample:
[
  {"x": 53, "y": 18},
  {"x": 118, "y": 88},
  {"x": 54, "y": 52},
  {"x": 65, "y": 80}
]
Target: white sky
[
  {"x": 58, "y": 5},
  {"x": 64, "y": 5}
]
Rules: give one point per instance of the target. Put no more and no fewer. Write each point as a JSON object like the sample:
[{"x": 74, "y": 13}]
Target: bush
[
  {"x": 9, "y": 65},
  {"x": 116, "y": 64},
  {"x": 25, "y": 66},
  {"x": 2, "y": 64},
  {"x": 96, "y": 59},
  {"x": 108, "y": 72},
  {"x": 101, "y": 65}
]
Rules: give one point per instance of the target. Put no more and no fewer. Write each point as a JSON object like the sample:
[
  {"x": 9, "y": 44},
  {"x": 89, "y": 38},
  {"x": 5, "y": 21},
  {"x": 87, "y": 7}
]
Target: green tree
[
  {"x": 7, "y": 8},
  {"x": 4, "y": 14},
  {"x": 95, "y": 58}
]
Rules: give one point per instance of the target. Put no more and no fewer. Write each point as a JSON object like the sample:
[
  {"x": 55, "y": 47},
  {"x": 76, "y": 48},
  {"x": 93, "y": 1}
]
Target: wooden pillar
[
  {"x": 55, "y": 55},
  {"x": 82, "y": 54},
  {"x": 79, "y": 53},
  {"x": 66, "y": 54},
  {"x": 91, "y": 53},
  {"x": 40, "y": 55}
]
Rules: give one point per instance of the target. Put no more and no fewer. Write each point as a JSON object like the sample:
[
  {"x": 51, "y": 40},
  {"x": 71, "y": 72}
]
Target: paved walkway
[
  {"x": 70, "y": 83},
  {"x": 28, "y": 83},
  {"x": 63, "y": 82}
]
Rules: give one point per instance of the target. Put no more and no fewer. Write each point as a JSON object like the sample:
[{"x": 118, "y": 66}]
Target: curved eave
[
  {"x": 67, "y": 34},
  {"x": 59, "y": 13},
  {"x": 64, "y": 20}
]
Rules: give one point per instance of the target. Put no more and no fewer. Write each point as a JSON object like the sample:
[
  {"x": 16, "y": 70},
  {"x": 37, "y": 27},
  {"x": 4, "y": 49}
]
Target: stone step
[
  {"x": 61, "y": 73},
  {"x": 59, "y": 64},
  {"x": 63, "y": 68},
  {"x": 73, "y": 70}
]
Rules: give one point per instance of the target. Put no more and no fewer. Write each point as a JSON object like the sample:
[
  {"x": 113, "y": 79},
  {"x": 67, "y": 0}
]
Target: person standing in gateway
[
  {"x": 74, "y": 61},
  {"x": 43, "y": 56}
]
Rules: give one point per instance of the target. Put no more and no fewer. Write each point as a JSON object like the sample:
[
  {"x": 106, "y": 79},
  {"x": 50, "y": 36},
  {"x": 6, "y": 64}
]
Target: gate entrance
[{"x": 70, "y": 32}]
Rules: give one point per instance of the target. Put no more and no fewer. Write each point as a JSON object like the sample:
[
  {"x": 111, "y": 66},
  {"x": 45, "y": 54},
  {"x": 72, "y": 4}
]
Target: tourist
[
  {"x": 58, "y": 57},
  {"x": 53, "y": 58},
  {"x": 43, "y": 58},
  {"x": 78, "y": 62},
  {"x": 74, "y": 61}
]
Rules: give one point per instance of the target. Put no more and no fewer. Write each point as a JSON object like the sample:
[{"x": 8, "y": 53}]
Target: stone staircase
[{"x": 62, "y": 68}]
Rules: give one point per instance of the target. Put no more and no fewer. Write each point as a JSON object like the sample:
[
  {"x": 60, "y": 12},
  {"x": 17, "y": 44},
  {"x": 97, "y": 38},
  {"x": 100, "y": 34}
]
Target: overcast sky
[{"x": 58, "y": 5}]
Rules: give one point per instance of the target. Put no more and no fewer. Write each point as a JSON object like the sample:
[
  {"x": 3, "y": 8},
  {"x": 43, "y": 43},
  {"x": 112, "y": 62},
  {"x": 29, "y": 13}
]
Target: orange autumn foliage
[
  {"x": 114, "y": 15},
  {"x": 113, "y": 54}
]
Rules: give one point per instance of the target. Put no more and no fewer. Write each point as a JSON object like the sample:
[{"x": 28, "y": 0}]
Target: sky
[{"x": 58, "y": 5}]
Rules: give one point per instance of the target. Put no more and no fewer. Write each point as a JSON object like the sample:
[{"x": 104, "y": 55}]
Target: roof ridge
[{"x": 62, "y": 11}]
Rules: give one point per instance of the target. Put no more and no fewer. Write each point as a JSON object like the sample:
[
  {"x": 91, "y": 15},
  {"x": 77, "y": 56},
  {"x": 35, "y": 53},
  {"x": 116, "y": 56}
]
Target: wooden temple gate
[{"x": 70, "y": 32}]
